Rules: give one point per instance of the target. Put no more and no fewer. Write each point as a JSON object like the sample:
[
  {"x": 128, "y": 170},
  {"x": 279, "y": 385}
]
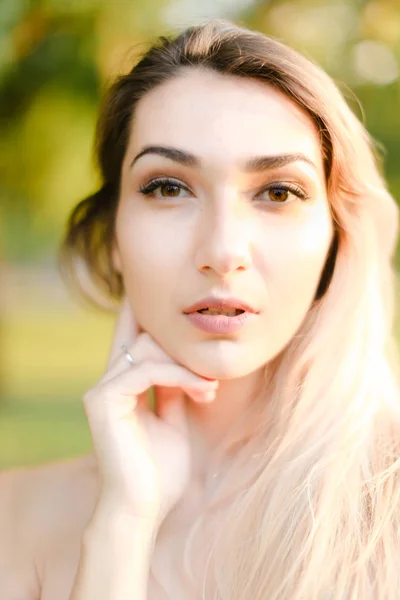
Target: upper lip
[{"x": 220, "y": 303}]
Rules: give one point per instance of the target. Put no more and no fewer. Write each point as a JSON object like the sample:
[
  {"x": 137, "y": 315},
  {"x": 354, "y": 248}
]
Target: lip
[
  {"x": 220, "y": 303},
  {"x": 220, "y": 323}
]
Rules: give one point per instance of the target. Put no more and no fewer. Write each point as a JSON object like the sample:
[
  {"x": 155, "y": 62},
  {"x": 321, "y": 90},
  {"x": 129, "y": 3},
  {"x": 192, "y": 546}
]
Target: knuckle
[
  {"x": 88, "y": 396},
  {"x": 107, "y": 394},
  {"x": 88, "y": 402},
  {"x": 95, "y": 394}
]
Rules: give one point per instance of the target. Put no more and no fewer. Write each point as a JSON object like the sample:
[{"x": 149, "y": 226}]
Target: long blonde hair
[{"x": 317, "y": 515}]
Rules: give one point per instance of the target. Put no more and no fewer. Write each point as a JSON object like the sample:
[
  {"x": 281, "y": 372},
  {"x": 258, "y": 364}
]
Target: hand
[{"x": 143, "y": 457}]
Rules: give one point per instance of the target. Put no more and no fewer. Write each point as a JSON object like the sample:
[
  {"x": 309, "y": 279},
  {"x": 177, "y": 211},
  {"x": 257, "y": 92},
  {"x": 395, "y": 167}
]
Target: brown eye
[
  {"x": 282, "y": 194},
  {"x": 170, "y": 190},
  {"x": 166, "y": 188},
  {"x": 278, "y": 194}
]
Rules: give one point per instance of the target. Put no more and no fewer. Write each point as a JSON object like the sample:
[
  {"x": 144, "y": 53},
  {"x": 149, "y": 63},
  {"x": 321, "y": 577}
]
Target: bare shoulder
[{"x": 43, "y": 513}]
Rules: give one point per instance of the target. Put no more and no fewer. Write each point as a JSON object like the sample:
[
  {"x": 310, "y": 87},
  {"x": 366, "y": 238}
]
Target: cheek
[
  {"x": 145, "y": 246},
  {"x": 298, "y": 263},
  {"x": 152, "y": 268},
  {"x": 291, "y": 274},
  {"x": 292, "y": 258}
]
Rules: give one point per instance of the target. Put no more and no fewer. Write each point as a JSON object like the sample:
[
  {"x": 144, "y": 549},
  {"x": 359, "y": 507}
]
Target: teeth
[{"x": 215, "y": 311}]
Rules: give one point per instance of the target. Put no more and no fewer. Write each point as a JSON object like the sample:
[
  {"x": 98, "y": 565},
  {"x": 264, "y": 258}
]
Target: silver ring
[{"x": 128, "y": 355}]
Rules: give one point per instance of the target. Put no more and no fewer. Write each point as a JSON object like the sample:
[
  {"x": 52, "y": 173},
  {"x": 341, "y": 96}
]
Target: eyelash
[{"x": 148, "y": 189}]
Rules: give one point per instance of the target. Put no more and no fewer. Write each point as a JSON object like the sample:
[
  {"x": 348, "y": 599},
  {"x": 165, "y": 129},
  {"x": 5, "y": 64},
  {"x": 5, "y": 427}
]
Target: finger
[
  {"x": 143, "y": 400},
  {"x": 202, "y": 397},
  {"x": 171, "y": 408},
  {"x": 125, "y": 331},
  {"x": 144, "y": 348},
  {"x": 139, "y": 378},
  {"x": 164, "y": 395}
]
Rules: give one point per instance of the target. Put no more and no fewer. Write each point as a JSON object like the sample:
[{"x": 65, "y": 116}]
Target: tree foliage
[{"x": 56, "y": 55}]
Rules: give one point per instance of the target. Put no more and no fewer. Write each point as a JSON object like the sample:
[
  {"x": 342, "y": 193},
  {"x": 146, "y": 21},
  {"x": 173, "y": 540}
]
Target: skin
[{"x": 220, "y": 236}]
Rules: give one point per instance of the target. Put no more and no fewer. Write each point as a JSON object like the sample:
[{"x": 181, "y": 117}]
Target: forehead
[{"x": 223, "y": 118}]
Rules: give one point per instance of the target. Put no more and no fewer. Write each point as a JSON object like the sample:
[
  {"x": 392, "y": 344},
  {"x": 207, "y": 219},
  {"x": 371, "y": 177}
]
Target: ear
[{"x": 116, "y": 258}]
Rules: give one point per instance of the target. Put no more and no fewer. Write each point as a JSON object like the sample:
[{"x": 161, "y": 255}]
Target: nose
[{"x": 225, "y": 245}]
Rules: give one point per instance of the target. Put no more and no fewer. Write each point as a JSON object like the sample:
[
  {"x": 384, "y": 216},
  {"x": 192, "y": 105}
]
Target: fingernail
[
  {"x": 213, "y": 382},
  {"x": 209, "y": 396}
]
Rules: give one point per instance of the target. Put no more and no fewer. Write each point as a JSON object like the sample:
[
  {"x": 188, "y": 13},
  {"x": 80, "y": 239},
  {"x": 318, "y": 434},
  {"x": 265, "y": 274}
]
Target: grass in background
[
  {"x": 34, "y": 432},
  {"x": 51, "y": 357}
]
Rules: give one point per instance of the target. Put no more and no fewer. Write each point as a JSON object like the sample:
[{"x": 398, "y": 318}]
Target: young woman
[{"x": 245, "y": 227}]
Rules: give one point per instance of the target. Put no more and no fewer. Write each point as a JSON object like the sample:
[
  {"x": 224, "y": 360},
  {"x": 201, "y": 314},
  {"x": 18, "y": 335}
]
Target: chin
[{"x": 233, "y": 369}]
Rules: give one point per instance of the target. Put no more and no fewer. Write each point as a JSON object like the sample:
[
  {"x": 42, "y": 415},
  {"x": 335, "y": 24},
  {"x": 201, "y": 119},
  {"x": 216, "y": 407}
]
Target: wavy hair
[{"x": 316, "y": 516}]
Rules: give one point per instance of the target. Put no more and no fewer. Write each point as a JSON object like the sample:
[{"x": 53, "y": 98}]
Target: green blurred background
[{"x": 56, "y": 56}]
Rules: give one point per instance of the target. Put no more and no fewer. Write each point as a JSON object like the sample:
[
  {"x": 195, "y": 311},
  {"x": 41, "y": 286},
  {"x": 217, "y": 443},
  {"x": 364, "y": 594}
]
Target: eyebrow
[{"x": 253, "y": 164}]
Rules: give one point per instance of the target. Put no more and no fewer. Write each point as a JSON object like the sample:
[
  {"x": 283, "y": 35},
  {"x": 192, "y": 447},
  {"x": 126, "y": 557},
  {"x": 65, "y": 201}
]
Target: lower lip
[{"x": 220, "y": 323}]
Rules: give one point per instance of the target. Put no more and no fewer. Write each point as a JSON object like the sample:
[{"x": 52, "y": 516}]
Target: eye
[
  {"x": 279, "y": 193},
  {"x": 169, "y": 188}
]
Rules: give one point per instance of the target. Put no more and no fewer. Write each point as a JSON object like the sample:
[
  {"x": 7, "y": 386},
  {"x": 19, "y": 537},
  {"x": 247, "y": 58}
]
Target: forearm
[{"x": 115, "y": 558}]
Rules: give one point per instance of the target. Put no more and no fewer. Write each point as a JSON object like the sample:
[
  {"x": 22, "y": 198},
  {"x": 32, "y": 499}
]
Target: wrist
[{"x": 115, "y": 517}]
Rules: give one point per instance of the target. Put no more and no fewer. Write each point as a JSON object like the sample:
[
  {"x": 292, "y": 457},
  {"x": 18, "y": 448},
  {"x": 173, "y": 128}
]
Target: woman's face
[{"x": 221, "y": 228}]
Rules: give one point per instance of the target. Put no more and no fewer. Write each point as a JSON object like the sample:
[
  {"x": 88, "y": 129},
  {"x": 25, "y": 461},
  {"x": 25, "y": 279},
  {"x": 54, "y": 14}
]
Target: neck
[{"x": 211, "y": 425}]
